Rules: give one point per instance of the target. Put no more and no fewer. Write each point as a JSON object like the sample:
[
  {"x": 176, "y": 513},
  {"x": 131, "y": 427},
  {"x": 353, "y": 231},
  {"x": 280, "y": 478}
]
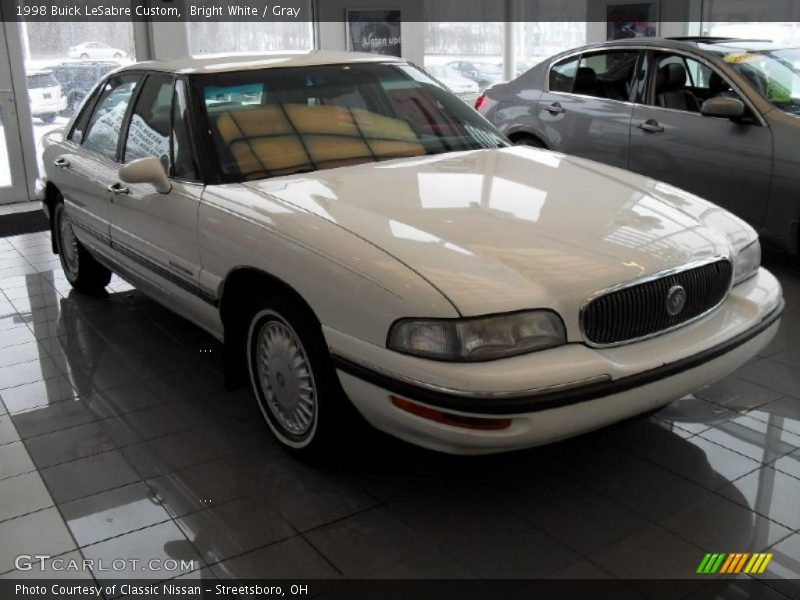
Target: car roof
[
  {"x": 222, "y": 63},
  {"x": 699, "y": 43}
]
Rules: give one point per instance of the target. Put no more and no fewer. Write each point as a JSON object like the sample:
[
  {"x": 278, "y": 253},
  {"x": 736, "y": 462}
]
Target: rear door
[
  {"x": 586, "y": 109},
  {"x": 726, "y": 161},
  {"x": 158, "y": 232},
  {"x": 88, "y": 164}
]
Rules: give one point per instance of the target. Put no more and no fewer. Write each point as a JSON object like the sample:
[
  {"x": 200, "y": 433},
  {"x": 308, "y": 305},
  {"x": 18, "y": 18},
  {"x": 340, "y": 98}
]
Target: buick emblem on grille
[{"x": 676, "y": 300}]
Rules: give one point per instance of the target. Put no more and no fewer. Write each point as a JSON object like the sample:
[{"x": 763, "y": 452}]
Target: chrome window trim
[
  {"x": 695, "y": 56},
  {"x": 655, "y": 276}
]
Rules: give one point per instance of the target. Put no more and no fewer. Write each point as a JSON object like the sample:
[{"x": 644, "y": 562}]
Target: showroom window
[{"x": 211, "y": 37}]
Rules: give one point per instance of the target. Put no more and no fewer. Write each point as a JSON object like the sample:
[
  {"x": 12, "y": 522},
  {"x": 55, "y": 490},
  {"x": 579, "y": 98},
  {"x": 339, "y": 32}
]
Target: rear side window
[
  {"x": 102, "y": 132},
  {"x": 562, "y": 75},
  {"x": 606, "y": 74}
]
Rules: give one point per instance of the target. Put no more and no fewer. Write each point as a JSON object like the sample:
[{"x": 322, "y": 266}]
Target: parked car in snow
[
  {"x": 46, "y": 96},
  {"x": 96, "y": 51},
  {"x": 464, "y": 88}
]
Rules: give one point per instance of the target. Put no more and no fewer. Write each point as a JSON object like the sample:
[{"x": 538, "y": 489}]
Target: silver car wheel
[
  {"x": 68, "y": 246},
  {"x": 285, "y": 377}
]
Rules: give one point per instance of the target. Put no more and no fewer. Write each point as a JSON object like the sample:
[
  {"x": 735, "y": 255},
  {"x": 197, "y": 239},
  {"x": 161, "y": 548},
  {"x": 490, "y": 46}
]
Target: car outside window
[
  {"x": 102, "y": 132},
  {"x": 149, "y": 129},
  {"x": 606, "y": 74},
  {"x": 288, "y": 120},
  {"x": 562, "y": 74}
]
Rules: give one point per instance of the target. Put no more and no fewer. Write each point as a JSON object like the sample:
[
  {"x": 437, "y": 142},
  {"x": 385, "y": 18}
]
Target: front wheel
[
  {"x": 293, "y": 380},
  {"x": 48, "y": 117},
  {"x": 83, "y": 272}
]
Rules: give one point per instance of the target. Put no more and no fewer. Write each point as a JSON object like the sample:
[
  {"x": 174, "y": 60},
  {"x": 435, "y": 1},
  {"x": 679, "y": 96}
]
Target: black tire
[
  {"x": 118, "y": 56},
  {"x": 84, "y": 56},
  {"x": 83, "y": 272},
  {"x": 48, "y": 118},
  {"x": 528, "y": 140},
  {"x": 331, "y": 415}
]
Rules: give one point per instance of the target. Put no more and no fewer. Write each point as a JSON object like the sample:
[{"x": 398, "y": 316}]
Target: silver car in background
[{"x": 718, "y": 117}]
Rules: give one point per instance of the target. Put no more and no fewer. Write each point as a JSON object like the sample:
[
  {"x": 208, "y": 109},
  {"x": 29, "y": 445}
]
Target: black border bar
[{"x": 487, "y": 405}]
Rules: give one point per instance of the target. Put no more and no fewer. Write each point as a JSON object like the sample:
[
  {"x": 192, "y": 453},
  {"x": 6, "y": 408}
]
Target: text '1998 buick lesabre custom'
[{"x": 358, "y": 236}]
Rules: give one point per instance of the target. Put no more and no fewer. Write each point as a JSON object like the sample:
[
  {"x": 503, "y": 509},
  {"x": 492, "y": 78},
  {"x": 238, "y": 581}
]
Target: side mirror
[
  {"x": 146, "y": 170},
  {"x": 726, "y": 108}
]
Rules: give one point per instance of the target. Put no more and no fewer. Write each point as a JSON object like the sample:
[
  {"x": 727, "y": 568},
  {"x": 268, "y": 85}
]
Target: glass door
[{"x": 13, "y": 187}]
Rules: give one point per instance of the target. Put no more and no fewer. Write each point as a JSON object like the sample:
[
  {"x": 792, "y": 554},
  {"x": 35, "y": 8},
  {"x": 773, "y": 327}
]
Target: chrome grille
[{"x": 640, "y": 310}]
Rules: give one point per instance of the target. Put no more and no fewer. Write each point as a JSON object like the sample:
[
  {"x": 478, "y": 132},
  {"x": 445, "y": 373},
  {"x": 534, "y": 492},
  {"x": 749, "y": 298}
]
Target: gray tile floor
[{"x": 117, "y": 440}]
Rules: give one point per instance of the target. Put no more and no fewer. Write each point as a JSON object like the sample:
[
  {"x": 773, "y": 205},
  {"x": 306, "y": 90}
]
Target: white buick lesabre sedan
[{"x": 358, "y": 236}]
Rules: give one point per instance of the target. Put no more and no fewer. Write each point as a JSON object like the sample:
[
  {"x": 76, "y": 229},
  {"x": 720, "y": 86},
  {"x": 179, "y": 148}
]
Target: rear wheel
[
  {"x": 48, "y": 117},
  {"x": 84, "y": 56},
  {"x": 293, "y": 380},
  {"x": 83, "y": 272}
]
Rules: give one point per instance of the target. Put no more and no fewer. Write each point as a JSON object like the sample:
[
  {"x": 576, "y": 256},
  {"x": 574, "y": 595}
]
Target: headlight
[
  {"x": 747, "y": 262},
  {"x": 480, "y": 338}
]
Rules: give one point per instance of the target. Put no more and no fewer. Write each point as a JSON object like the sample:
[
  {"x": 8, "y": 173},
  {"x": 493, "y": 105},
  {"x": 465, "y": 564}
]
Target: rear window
[{"x": 41, "y": 80}]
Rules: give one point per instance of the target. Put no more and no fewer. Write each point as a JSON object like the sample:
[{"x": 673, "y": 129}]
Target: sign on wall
[
  {"x": 375, "y": 31},
  {"x": 632, "y": 20}
]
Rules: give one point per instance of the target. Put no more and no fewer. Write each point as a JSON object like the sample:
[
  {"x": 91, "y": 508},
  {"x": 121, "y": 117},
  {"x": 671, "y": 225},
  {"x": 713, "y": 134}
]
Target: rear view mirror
[
  {"x": 726, "y": 108},
  {"x": 146, "y": 170}
]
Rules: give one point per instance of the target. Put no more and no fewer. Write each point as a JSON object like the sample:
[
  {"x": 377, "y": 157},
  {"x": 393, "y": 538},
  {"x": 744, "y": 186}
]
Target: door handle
[
  {"x": 61, "y": 162},
  {"x": 117, "y": 188},
  {"x": 555, "y": 108},
  {"x": 651, "y": 126}
]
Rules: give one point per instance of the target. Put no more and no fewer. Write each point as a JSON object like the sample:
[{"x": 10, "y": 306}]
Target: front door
[
  {"x": 728, "y": 162},
  {"x": 586, "y": 109},
  {"x": 158, "y": 231}
]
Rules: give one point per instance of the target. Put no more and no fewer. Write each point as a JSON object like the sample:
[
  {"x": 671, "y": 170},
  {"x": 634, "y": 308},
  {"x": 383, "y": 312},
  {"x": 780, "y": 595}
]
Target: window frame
[
  {"x": 189, "y": 130},
  {"x": 129, "y": 116}
]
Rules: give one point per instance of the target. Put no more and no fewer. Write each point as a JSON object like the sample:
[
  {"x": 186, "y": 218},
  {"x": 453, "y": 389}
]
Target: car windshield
[
  {"x": 775, "y": 74},
  {"x": 280, "y": 121}
]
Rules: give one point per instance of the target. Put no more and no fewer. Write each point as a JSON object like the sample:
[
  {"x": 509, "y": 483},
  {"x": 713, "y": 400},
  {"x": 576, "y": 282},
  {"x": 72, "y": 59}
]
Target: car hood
[{"x": 513, "y": 228}]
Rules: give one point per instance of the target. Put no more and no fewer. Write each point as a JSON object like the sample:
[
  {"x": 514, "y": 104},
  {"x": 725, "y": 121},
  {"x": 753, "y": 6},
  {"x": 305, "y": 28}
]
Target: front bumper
[{"x": 566, "y": 391}]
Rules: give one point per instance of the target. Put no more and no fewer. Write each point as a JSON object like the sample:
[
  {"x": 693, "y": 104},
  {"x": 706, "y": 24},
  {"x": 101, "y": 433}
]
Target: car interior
[{"x": 684, "y": 84}]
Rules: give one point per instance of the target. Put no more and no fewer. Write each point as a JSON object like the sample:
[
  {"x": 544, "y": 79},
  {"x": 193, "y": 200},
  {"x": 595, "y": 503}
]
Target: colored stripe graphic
[{"x": 734, "y": 563}]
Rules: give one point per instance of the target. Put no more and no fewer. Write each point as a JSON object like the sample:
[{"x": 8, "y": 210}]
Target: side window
[
  {"x": 102, "y": 131},
  {"x": 149, "y": 131},
  {"x": 683, "y": 83},
  {"x": 183, "y": 163},
  {"x": 606, "y": 74},
  {"x": 78, "y": 129},
  {"x": 562, "y": 75}
]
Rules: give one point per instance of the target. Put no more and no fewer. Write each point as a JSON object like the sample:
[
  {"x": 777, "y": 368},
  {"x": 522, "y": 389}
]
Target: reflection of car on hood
[{"x": 465, "y": 88}]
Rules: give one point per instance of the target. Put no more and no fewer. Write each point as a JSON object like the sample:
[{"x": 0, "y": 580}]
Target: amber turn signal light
[{"x": 451, "y": 419}]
